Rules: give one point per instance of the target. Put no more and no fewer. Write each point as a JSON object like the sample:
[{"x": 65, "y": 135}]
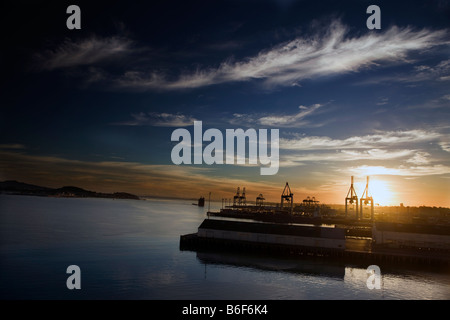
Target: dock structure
[
  {"x": 410, "y": 236},
  {"x": 322, "y": 242},
  {"x": 267, "y": 233}
]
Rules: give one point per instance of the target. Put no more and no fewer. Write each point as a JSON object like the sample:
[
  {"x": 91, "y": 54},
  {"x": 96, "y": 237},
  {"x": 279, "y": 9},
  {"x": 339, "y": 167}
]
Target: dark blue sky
[{"x": 96, "y": 107}]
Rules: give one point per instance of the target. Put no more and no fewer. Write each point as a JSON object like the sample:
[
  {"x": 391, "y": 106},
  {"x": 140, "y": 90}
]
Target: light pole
[{"x": 209, "y": 202}]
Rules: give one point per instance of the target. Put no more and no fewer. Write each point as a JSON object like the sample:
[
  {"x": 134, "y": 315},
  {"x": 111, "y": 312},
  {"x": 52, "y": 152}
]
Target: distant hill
[{"x": 15, "y": 187}]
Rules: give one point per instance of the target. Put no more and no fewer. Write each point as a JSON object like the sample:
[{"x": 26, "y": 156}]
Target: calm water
[{"x": 130, "y": 250}]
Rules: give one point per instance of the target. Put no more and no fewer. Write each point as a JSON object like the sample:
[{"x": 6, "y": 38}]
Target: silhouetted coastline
[{"x": 20, "y": 188}]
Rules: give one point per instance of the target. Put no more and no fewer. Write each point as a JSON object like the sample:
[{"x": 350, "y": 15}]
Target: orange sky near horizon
[{"x": 194, "y": 181}]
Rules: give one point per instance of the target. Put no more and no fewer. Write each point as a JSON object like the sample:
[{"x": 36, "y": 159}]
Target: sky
[{"x": 96, "y": 107}]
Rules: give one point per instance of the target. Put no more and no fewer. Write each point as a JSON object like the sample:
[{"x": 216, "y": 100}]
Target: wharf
[
  {"x": 353, "y": 228},
  {"x": 359, "y": 251}
]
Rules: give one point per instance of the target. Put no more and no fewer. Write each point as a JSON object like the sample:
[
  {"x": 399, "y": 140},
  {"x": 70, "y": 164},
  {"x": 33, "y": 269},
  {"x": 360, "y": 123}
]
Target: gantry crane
[
  {"x": 287, "y": 196},
  {"x": 351, "y": 198},
  {"x": 366, "y": 199}
]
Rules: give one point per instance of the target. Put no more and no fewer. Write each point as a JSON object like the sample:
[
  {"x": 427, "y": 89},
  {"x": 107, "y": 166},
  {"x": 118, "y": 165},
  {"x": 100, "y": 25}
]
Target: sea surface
[{"x": 129, "y": 249}]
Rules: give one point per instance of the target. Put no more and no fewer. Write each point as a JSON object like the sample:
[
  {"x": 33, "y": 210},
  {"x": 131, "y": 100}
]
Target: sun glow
[{"x": 379, "y": 190}]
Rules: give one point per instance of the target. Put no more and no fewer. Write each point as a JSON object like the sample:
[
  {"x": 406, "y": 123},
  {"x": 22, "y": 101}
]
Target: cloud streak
[
  {"x": 277, "y": 120},
  {"x": 386, "y": 139},
  {"x": 413, "y": 171},
  {"x": 349, "y": 155},
  {"x": 85, "y": 52},
  {"x": 420, "y": 73},
  {"x": 328, "y": 53},
  {"x": 288, "y": 120},
  {"x": 158, "y": 120},
  {"x": 12, "y": 146},
  {"x": 411, "y": 160}
]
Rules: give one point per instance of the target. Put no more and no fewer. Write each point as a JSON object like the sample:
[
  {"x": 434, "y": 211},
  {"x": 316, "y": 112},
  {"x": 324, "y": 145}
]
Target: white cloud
[
  {"x": 419, "y": 73},
  {"x": 373, "y": 154},
  {"x": 386, "y": 139},
  {"x": 383, "y": 102},
  {"x": 343, "y": 156},
  {"x": 159, "y": 120},
  {"x": 419, "y": 158},
  {"x": 85, "y": 52},
  {"x": 375, "y": 147},
  {"x": 323, "y": 54},
  {"x": 444, "y": 142},
  {"x": 400, "y": 171},
  {"x": 445, "y": 146},
  {"x": 288, "y": 120},
  {"x": 277, "y": 120},
  {"x": 440, "y": 71}
]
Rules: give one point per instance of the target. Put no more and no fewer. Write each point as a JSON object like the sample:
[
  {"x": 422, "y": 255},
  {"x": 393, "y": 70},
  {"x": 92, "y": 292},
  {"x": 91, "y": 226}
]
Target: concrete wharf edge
[{"x": 192, "y": 242}]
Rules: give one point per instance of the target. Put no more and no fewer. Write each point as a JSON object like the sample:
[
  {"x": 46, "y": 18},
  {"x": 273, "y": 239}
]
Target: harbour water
[{"x": 129, "y": 249}]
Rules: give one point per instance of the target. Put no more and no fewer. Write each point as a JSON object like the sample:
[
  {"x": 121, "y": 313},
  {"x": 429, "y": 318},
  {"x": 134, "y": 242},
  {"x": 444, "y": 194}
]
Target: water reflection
[
  {"x": 263, "y": 263},
  {"x": 322, "y": 278}
]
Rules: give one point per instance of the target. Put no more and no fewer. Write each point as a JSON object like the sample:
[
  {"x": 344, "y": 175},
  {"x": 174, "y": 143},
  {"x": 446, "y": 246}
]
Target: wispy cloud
[
  {"x": 386, "y": 139},
  {"x": 158, "y": 120},
  {"x": 382, "y": 102},
  {"x": 85, "y": 52},
  {"x": 417, "y": 74},
  {"x": 400, "y": 171},
  {"x": 12, "y": 146},
  {"x": 406, "y": 151},
  {"x": 277, "y": 120},
  {"x": 290, "y": 160},
  {"x": 441, "y": 71},
  {"x": 419, "y": 158},
  {"x": 323, "y": 54},
  {"x": 288, "y": 120},
  {"x": 445, "y": 146}
]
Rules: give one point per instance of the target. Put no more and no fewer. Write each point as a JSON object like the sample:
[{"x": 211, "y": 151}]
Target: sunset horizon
[{"x": 379, "y": 189}]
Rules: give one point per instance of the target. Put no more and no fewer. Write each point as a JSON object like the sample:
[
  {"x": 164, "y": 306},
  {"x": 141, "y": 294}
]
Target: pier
[
  {"x": 309, "y": 242},
  {"x": 192, "y": 242}
]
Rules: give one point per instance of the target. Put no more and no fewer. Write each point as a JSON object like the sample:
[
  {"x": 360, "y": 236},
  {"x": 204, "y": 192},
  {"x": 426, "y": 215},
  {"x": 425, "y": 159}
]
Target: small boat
[{"x": 201, "y": 202}]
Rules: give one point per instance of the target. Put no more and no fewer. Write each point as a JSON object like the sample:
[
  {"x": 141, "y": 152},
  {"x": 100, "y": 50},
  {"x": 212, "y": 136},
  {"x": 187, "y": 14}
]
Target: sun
[{"x": 380, "y": 191}]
